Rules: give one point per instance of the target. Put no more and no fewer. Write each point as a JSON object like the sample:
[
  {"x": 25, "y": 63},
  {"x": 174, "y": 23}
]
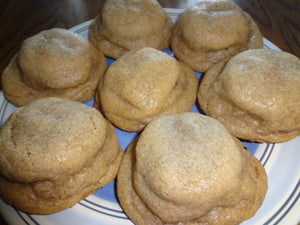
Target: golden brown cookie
[
  {"x": 54, "y": 153},
  {"x": 210, "y": 31},
  {"x": 255, "y": 95},
  {"x": 187, "y": 168},
  {"x": 143, "y": 84},
  {"x": 131, "y": 24},
  {"x": 57, "y": 63}
]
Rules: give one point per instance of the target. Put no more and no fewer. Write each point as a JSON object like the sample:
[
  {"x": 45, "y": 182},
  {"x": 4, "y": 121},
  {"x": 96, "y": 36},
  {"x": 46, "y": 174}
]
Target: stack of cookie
[
  {"x": 125, "y": 25},
  {"x": 55, "y": 62},
  {"x": 144, "y": 84},
  {"x": 255, "y": 95},
  {"x": 211, "y": 31},
  {"x": 186, "y": 168},
  {"x": 54, "y": 153}
]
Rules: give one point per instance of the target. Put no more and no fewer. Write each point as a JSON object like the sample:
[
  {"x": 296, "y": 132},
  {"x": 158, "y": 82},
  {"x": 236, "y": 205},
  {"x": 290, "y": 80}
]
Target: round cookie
[
  {"x": 53, "y": 63},
  {"x": 210, "y": 31},
  {"x": 143, "y": 84},
  {"x": 125, "y": 25},
  {"x": 187, "y": 168},
  {"x": 255, "y": 95},
  {"x": 67, "y": 152}
]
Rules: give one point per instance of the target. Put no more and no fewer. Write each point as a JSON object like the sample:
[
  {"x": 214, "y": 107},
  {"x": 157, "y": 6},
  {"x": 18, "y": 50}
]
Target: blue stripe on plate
[
  {"x": 97, "y": 205},
  {"x": 99, "y": 210},
  {"x": 267, "y": 153},
  {"x": 3, "y": 108},
  {"x": 286, "y": 206},
  {"x": 31, "y": 219},
  {"x": 81, "y": 30}
]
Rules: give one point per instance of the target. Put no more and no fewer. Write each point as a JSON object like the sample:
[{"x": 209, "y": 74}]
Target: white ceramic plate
[{"x": 281, "y": 161}]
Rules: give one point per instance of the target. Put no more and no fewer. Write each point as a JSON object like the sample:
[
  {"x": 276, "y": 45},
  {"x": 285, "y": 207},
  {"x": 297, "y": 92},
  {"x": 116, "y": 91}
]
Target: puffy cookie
[
  {"x": 142, "y": 84},
  {"x": 124, "y": 25},
  {"x": 255, "y": 95},
  {"x": 53, "y": 63},
  {"x": 54, "y": 153},
  {"x": 210, "y": 31},
  {"x": 187, "y": 168}
]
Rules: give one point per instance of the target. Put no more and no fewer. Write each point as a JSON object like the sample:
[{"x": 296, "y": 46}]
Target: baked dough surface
[
  {"x": 255, "y": 95},
  {"x": 53, "y": 63},
  {"x": 210, "y": 31},
  {"x": 125, "y": 25},
  {"x": 186, "y": 168},
  {"x": 142, "y": 84},
  {"x": 54, "y": 153}
]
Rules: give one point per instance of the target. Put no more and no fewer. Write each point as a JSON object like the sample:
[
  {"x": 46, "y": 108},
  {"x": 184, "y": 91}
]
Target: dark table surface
[{"x": 278, "y": 20}]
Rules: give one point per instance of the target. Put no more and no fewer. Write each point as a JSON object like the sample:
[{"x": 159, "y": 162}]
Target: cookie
[
  {"x": 255, "y": 95},
  {"x": 210, "y": 31},
  {"x": 186, "y": 168},
  {"x": 54, "y": 153},
  {"x": 142, "y": 84},
  {"x": 53, "y": 63},
  {"x": 124, "y": 25}
]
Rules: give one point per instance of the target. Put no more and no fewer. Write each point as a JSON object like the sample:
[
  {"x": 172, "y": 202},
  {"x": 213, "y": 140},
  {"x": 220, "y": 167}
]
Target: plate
[{"x": 281, "y": 161}]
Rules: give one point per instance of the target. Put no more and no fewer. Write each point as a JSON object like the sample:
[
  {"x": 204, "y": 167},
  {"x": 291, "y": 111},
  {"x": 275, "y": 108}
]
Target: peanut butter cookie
[
  {"x": 131, "y": 24},
  {"x": 54, "y": 153},
  {"x": 255, "y": 95},
  {"x": 143, "y": 84},
  {"x": 53, "y": 63},
  {"x": 210, "y": 31},
  {"x": 187, "y": 168}
]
